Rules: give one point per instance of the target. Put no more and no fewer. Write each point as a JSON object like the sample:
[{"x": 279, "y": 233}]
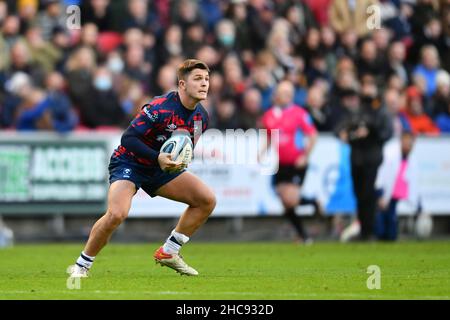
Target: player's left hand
[{"x": 168, "y": 165}]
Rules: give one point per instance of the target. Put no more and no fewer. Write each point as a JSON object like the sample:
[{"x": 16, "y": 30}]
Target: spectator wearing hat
[
  {"x": 107, "y": 110},
  {"x": 27, "y": 10}
]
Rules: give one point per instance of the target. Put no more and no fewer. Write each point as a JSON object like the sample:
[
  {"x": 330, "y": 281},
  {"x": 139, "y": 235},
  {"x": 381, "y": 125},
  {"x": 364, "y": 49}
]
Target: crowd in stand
[{"x": 125, "y": 52}]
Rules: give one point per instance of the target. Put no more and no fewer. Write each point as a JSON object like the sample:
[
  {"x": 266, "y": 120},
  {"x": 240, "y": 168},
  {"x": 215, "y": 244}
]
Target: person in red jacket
[{"x": 420, "y": 122}]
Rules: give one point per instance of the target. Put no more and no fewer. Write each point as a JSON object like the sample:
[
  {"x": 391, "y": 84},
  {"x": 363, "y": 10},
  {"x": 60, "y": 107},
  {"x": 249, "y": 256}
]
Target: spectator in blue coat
[{"x": 41, "y": 110}]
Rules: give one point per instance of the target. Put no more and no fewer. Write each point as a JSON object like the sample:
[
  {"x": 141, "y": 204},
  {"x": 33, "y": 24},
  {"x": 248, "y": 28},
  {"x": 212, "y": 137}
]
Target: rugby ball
[{"x": 179, "y": 145}]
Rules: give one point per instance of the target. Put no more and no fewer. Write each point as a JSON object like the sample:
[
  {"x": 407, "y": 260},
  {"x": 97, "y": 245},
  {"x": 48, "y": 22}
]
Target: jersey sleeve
[
  {"x": 132, "y": 141},
  {"x": 135, "y": 138}
]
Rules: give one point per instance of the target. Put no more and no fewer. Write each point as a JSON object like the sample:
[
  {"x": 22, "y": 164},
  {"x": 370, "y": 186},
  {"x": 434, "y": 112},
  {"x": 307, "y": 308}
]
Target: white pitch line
[{"x": 211, "y": 294}]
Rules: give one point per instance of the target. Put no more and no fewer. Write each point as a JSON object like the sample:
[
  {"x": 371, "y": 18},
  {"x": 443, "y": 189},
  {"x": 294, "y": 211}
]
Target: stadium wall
[
  {"x": 53, "y": 188},
  {"x": 44, "y": 173}
]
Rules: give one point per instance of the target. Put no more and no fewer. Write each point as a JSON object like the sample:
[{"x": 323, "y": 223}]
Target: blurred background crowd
[{"x": 125, "y": 52}]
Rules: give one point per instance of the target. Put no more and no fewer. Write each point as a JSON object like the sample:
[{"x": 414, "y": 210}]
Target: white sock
[
  {"x": 85, "y": 261},
  {"x": 174, "y": 242}
]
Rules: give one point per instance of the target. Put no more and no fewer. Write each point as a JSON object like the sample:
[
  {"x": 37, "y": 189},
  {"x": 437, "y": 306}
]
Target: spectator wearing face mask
[
  {"x": 101, "y": 106},
  {"x": 226, "y": 34}
]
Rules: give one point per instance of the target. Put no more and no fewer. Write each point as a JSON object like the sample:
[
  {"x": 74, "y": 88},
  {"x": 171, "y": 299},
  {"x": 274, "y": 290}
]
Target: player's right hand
[{"x": 167, "y": 164}]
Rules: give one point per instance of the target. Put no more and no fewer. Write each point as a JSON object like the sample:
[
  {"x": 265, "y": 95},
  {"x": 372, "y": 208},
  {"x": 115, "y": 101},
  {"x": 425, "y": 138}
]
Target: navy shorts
[{"x": 149, "y": 179}]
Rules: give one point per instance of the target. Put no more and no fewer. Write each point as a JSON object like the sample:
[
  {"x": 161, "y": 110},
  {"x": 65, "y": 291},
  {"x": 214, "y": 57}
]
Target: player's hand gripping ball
[{"x": 180, "y": 147}]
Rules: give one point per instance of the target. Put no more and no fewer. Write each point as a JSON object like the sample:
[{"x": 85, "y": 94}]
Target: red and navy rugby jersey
[{"x": 155, "y": 124}]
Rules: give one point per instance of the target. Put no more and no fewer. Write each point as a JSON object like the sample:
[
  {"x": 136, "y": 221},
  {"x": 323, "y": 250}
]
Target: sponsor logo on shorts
[{"x": 126, "y": 173}]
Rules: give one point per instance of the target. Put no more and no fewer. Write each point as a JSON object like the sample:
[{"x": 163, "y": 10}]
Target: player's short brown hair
[{"x": 188, "y": 65}]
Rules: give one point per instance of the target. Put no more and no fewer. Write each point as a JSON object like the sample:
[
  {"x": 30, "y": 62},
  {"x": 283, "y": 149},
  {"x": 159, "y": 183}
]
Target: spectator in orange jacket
[{"x": 420, "y": 122}]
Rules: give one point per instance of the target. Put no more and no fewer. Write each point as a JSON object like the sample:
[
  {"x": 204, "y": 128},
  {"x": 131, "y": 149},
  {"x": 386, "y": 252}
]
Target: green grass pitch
[{"x": 255, "y": 271}]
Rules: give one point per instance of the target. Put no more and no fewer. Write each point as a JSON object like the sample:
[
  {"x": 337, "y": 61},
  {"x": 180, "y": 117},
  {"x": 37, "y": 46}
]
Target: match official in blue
[{"x": 138, "y": 163}]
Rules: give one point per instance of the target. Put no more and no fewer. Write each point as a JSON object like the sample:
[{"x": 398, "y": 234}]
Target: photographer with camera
[{"x": 366, "y": 126}]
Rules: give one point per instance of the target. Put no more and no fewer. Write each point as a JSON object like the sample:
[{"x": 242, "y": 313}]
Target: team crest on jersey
[
  {"x": 171, "y": 127},
  {"x": 153, "y": 116}
]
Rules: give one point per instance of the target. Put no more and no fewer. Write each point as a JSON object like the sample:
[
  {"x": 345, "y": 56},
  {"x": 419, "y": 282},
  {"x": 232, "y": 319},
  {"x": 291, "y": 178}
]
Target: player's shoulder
[
  {"x": 166, "y": 100},
  {"x": 160, "y": 106}
]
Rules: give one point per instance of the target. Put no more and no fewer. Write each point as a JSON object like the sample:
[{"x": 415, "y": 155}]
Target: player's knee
[
  {"x": 211, "y": 202},
  {"x": 117, "y": 216},
  {"x": 207, "y": 202}
]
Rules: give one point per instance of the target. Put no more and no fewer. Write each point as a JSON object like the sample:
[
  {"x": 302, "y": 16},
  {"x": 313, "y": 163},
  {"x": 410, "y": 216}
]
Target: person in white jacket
[{"x": 396, "y": 181}]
